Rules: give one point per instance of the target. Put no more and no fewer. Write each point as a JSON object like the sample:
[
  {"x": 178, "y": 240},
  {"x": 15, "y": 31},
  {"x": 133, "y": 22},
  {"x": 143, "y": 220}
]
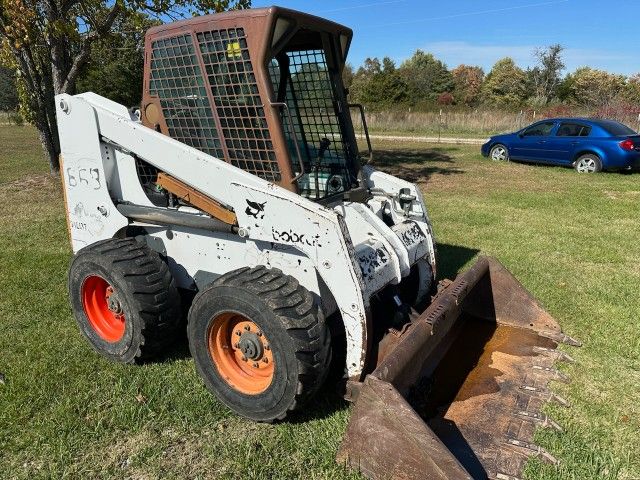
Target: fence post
[
  {"x": 638, "y": 123},
  {"x": 439, "y": 125}
]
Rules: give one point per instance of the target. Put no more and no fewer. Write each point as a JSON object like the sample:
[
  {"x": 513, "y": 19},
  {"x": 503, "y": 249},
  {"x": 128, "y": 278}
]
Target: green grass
[
  {"x": 20, "y": 153},
  {"x": 67, "y": 413}
]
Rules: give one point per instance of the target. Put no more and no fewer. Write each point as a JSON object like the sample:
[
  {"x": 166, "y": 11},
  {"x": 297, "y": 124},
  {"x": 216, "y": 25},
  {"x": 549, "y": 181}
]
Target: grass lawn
[{"x": 64, "y": 412}]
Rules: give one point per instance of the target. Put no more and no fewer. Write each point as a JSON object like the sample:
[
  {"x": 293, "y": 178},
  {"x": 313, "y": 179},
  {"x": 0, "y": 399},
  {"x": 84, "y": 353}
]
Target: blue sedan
[{"x": 588, "y": 145}]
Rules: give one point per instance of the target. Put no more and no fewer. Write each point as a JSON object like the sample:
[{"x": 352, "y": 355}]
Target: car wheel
[
  {"x": 588, "y": 163},
  {"x": 499, "y": 153}
]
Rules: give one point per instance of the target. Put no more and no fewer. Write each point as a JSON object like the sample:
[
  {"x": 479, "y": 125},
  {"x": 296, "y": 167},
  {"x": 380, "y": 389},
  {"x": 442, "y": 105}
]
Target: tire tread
[
  {"x": 300, "y": 315},
  {"x": 151, "y": 285}
]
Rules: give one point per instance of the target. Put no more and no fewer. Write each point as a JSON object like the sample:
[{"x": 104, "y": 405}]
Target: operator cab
[
  {"x": 261, "y": 89},
  {"x": 306, "y": 74}
]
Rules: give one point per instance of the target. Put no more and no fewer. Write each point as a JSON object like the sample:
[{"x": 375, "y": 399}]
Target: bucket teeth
[
  {"x": 545, "y": 394},
  {"x": 533, "y": 449},
  {"x": 476, "y": 414},
  {"x": 539, "y": 418},
  {"x": 555, "y": 374},
  {"x": 561, "y": 338},
  {"x": 555, "y": 354}
]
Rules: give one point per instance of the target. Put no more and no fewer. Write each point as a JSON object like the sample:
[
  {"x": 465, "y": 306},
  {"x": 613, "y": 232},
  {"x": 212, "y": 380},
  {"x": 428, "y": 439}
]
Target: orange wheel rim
[
  {"x": 102, "y": 308},
  {"x": 241, "y": 353}
]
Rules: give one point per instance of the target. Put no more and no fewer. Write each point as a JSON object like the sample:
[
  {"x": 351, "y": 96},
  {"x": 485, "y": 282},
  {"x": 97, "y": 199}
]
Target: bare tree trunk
[
  {"x": 45, "y": 123},
  {"x": 48, "y": 141},
  {"x": 45, "y": 118},
  {"x": 52, "y": 143}
]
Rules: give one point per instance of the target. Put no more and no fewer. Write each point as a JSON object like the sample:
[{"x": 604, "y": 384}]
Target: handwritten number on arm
[
  {"x": 95, "y": 175},
  {"x": 76, "y": 177},
  {"x": 71, "y": 178}
]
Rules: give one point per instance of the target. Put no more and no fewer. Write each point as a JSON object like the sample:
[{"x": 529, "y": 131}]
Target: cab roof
[{"x": 268, "y": 14}]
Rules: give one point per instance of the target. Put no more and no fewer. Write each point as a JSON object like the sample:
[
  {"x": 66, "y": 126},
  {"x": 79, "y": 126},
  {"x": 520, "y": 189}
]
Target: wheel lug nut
[
  {"x": 267, "y": 347},
  {"x": 255, "y": 365},
  {"x": 238, "y": 333},
  {"x": 265, "y": 360},
  {"x": 244, "y": 358},
  {"x": 259, "y": 333},
  {"x": 237, "y": 345},
  {"x": 247, "y": 328}
]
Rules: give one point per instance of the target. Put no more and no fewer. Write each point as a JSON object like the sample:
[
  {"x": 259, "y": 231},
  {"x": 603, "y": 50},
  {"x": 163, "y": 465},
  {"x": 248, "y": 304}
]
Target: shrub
[
  {"x": 15, "y": 118},
  {"x": 445, "y": 99}
]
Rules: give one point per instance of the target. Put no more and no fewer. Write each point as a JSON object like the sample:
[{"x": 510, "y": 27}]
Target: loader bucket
[{"x": 458, "y": 394}]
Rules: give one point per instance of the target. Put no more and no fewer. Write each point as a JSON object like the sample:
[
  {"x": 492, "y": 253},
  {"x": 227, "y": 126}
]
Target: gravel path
[{"x": 451, "y": 140}]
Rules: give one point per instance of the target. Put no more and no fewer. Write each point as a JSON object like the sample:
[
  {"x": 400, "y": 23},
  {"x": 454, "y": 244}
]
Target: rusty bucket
[{"x": 459, "y": 393}]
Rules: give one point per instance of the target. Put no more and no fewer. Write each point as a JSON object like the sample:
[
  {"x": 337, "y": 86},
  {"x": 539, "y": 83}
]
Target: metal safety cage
[
  {"x": 318, "y": 129},
  {"x": 209, "y": 84}
]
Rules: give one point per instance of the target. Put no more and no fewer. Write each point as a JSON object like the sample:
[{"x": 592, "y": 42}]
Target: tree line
[
  {"x": 425, "y": 82},
  {"x": 48, "y": 47}
]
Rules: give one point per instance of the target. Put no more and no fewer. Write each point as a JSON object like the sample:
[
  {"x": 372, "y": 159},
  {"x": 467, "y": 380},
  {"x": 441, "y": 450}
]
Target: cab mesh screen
[
  {"x": 176, "y": 78},
  {"x": 311, "y": 85},
  {"x": 237, "y": 102},
  {"x": 310, "y": 93}
]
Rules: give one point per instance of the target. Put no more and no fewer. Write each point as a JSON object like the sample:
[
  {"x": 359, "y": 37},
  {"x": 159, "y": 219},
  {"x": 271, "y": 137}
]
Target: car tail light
[{"x": 627, "y": 144}]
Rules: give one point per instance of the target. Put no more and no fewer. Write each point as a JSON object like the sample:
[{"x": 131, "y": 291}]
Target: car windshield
[{"x": 615, "y": 128}]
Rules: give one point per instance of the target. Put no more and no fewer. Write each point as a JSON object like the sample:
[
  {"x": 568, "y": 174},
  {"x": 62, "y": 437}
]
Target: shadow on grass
[
  {"x": 452, "y": 258},
  {"x": 323, "y": 404},
  {"x": 416, "y": 165}
]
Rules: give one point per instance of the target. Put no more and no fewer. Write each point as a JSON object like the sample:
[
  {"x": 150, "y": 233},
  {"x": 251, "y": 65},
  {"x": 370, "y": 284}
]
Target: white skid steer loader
[{"x": 241, "y": 182}]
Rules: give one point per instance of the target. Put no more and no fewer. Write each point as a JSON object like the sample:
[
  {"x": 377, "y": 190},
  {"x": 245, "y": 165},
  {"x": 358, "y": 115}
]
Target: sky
[{"x": 596, "y": 33}]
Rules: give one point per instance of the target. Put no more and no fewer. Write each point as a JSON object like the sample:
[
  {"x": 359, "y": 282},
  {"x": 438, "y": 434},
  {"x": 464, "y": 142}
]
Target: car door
[
  {"x": 567, "y": 139},
  {"x": 531, "y": 143}
]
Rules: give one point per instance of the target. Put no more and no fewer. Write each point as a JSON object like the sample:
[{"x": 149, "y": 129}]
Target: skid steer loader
[{"x": 242, "y": 184}]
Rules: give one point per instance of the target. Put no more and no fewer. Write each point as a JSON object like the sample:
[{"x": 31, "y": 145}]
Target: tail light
[{"x": 627, "y": 144}]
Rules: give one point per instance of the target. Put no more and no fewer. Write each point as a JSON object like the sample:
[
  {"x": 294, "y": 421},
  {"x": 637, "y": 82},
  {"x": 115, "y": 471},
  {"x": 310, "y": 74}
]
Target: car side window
[
  {"x": 573, "y": 130},
  {"x": 542, "y": 129}
]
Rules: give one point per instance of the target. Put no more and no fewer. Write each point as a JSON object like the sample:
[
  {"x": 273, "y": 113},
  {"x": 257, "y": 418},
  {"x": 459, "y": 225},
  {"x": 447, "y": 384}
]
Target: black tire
[
  {"x": 146, "y": 293},
  {"x": 588, "y": 163},
  {"x": 286, "y": 315},
  {"x": 500, "y": 152}
]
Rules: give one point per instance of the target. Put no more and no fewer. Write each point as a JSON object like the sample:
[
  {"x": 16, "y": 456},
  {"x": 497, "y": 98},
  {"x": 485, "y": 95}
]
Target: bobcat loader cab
[
  {"x": 246, "y": 157},
  {"x": 241, "y": 192},
  {"x": 265, "y": 94}
]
